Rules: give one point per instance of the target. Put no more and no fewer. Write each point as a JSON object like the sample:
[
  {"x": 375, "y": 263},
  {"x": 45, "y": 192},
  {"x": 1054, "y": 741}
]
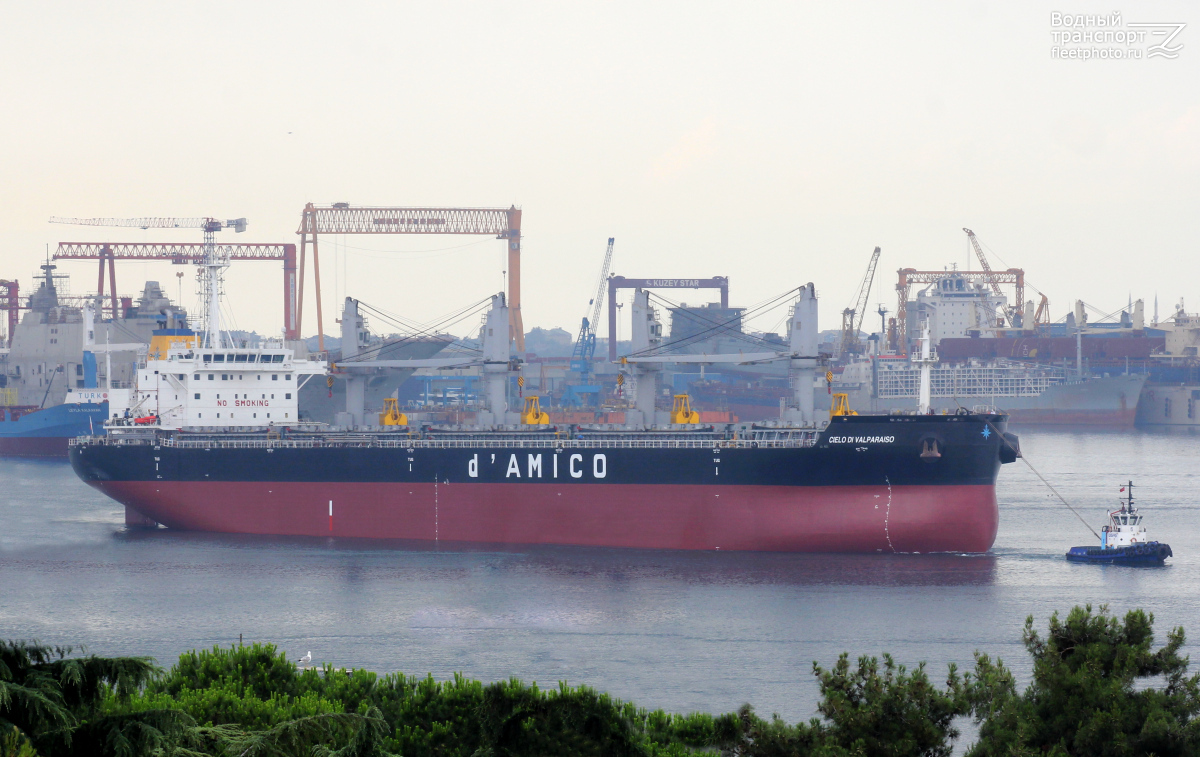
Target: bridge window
[{"x": 218, "y": 358}]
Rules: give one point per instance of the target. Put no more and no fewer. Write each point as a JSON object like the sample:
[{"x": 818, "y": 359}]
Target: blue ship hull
[
  {"x": 44, "y": 433},
  {"x": 1150, "y": 553}
]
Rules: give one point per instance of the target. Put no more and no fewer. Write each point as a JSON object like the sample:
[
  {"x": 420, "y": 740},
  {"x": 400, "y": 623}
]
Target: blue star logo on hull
[{"x": 987, "y": 432}]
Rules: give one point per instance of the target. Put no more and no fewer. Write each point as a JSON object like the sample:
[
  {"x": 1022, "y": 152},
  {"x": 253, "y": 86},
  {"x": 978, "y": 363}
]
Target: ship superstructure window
[
  {"x": 218, "y": 358},
  {"x": 197, "y": 395},
  {"x": 208, "y": 358},
  {"x": 277, "y": 358},
  {"x": 287, "y": 396},
  {"x": 240, "y": 359},
  {"x": 274, "y": 376},
  {"x": 210, "y": 377},
  {"x": 196, "y": 377}
]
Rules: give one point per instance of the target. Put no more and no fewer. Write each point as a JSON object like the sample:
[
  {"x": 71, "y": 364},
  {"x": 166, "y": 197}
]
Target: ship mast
[
  {"x": 926, "y": 361},
  {"x": 214, "y": 266}
]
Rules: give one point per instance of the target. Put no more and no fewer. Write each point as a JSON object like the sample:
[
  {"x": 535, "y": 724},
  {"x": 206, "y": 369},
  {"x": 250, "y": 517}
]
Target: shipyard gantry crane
[
  {"x": 909, "y": 276},
  {"x": 184, "y": 254},
  {"x": 852, "y": 318},
  {"x": 342, "y": 218},
  {"x": 212, "y": 266},
  {"x": 585, "y": 343}
]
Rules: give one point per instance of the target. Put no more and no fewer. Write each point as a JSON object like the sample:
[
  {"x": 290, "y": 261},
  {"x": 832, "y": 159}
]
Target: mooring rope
[{"x": 1042, "y": 478}]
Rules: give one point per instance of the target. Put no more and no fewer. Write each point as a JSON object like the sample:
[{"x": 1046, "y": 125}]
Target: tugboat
[{"x": 1123, "y": 541}]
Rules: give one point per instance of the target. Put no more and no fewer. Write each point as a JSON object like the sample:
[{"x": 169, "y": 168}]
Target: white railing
[
  {"x": 969, "y": 381},
  {"x": 414, "y": 444}
]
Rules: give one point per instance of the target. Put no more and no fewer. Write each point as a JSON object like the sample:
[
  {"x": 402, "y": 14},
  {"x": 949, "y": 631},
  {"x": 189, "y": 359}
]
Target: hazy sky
[{"x": 775, "y": 143}]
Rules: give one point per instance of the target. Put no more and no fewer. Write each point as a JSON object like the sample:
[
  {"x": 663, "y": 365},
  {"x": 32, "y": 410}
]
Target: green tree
[
  {"x": 888, "y": 711},
  {"x": 1090, "y": 693}
]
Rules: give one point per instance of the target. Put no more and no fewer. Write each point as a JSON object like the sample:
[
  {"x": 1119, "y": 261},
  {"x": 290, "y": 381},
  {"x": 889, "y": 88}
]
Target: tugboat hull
[{"x": 1150, "y": 553}]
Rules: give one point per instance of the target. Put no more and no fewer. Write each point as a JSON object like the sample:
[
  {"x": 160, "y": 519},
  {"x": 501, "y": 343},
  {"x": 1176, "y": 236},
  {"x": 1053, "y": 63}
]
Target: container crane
[
  {"x": 852, "y": 318},
  {"x": 1015, "y": 310},
  {"x": 211, "y": 267}
]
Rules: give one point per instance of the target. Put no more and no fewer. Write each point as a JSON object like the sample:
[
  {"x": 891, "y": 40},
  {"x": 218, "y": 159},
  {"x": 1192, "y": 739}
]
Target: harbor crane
[
  {"x": 1015, "y": 310},
  {"x": 585, "y": 343},
  {"x": 852, "y": 318},
  {"x": 211, "y": 273}
]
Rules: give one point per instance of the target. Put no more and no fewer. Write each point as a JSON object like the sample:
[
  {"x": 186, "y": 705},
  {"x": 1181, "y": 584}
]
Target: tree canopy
[{"x": 1099, "y": 687}]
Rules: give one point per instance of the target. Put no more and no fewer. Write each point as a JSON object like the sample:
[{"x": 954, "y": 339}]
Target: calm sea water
[{"x": 681, "y": 631}]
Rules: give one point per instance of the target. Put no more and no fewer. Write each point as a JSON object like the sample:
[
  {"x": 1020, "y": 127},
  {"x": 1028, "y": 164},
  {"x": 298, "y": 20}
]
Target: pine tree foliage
[
  {"x": 1090, "y": 693},
  {"x": 1100, "y": 687}
]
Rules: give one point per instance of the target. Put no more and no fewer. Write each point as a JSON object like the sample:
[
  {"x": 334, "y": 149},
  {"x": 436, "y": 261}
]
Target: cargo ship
[
  {"x": 217, "y": 448},
  {"x": 31, "y": 431}
]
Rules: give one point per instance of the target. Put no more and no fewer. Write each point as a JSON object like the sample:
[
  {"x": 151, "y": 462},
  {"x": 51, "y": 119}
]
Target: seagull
[{"x": 306, "y": 659}]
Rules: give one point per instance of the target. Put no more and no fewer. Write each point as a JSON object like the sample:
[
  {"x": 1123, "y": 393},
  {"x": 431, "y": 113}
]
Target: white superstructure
[{"x": 185, "y": 387}]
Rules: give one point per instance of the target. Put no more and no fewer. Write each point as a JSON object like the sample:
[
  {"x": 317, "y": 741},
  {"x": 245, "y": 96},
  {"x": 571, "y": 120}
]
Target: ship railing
[{"x": 507, "y": 443}]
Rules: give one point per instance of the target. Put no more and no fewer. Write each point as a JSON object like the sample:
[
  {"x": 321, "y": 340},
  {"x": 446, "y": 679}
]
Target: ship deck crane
[
  {"x": 852, "y": 318},
  {"x": 585, "y": 343}
]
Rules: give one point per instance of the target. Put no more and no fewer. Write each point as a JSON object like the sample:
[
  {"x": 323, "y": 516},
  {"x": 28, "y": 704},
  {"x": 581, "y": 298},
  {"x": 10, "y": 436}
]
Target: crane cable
[{"x": 766, "y": 305}]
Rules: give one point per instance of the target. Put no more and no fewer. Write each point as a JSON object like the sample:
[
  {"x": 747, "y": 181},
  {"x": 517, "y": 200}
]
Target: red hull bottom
[{"x": 960, "y": 518}]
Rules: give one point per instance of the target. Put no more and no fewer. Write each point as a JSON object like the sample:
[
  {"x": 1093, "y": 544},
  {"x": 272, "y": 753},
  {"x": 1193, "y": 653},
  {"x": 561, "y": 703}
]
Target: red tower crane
[{"x": 341, "y": 218}]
